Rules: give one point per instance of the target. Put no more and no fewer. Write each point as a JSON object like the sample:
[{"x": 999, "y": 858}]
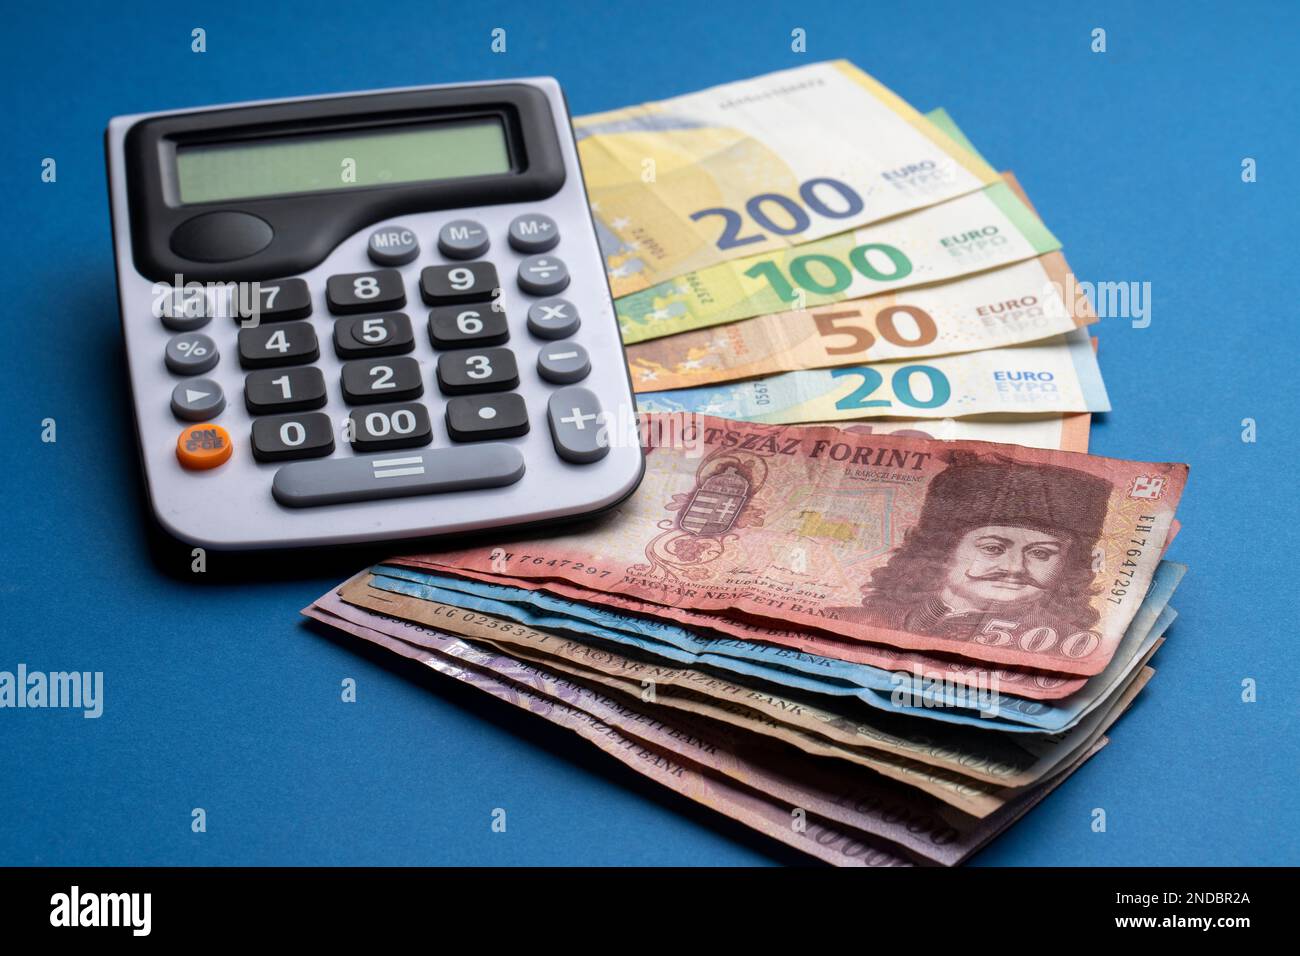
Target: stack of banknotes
[{"x": 871, "y": 599}]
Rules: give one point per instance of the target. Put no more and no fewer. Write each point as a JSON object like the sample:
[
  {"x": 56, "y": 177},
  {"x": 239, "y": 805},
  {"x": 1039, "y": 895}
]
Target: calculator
[{"x": 368, "y": 316}]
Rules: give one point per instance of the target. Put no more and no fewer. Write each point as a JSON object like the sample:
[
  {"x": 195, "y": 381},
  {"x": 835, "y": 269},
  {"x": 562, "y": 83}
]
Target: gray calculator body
[{"x": 348, "y": 492}]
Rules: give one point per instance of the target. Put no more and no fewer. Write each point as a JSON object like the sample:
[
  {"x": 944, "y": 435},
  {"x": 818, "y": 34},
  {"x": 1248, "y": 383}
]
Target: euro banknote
[
  {"x": 978, "y": 231},
  {"x": 985, "y": 702},
  {"x": 555, "y": 699},
  {"x": 759, "y": 165},
  {"x": 820, "y": 724},
  {"x": 1019, "y": 303},
  {"x": 843, "y": 819},
  {"x": 1057, "y": 375},
  {"x": 996, "y": 553}
]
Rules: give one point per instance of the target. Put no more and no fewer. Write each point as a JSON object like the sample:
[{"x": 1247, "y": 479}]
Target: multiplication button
[
  {"x": 543, "y": 275},
  {"x": 192, "y": 353},
  {"x": 463, "y": 239},
  {"x": 533, "y": 232},
  {"x": 553, "y": 319}
]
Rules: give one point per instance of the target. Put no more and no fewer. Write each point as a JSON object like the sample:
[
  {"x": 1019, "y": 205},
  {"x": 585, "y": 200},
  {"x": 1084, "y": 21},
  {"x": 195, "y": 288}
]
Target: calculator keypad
[
  {"x": 289, "y": 343},
  {"x": 474, "y": 373},
  {"x": 357, "y": 292},
  {"x": 364, "y": 336},
  {"x": 477, "y": 370},
  {"x": 370, "y": 381}
]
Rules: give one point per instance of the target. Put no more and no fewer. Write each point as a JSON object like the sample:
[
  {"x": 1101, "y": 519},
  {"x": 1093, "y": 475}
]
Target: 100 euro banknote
[
  {"x": 1033, "y": 558},
  {"x": 757, "y": 165}
]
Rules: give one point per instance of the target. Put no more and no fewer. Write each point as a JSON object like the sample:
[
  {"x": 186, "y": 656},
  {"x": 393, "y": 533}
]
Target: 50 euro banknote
[
  {"x": 1057, "y": 375},
  {"x": 981, "y": 230},
  {"x": 1023, "y": 302},
  {"x": 758, "y": 165},
  {"x": 1029, "y": 557}
]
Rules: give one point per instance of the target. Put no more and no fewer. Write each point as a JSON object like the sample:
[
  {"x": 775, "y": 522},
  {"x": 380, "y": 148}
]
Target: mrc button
[
  {"x": 221, "y": 236},
  {"x": 393, "y": 246}
]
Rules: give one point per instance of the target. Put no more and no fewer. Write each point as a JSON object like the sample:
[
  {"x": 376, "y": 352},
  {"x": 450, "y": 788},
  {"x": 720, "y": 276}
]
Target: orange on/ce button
[{"x": 203, "y": 446}]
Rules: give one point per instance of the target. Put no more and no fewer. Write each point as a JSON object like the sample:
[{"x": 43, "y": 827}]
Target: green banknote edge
[{"x": 941, "y": 118}]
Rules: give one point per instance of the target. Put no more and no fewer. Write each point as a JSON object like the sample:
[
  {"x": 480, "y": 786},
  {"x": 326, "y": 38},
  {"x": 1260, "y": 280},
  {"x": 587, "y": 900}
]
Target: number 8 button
[{"x": 357, "y": 292}]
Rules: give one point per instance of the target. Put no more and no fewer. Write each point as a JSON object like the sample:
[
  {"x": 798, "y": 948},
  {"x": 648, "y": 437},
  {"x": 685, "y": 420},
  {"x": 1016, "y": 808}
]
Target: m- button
[{"x": 533, "y": 232}]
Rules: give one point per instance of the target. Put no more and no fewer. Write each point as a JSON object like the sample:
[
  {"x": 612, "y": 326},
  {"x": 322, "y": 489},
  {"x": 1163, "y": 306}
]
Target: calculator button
[
  {"x": 373, "y": 335},
  {"x": 284, "y": 390},
  {"x": 393, "y": 246},
  {"x": 191, "y": 353},
  {"x": 462, "y": 326},
  {"x": 197, "y": 400},
  {"x": 293, "y": 436},
  {"x": 293, "y": 343},
  {"x": 221, "y": 236},
  {"x": 381, "y": 380},
  {"x": 200, "y": 447},
  {"x": 462, "y": 239},
  {"x": 563, "y": 363},
  {"x": 455, "y": 285},
  {"x": 553, "y": 318},
  {"x": 433, "y": 470},
  {"x": 543, "y": 275},
  {"x": 279, "y": 301},
  {"x": 365, "y": 292},
  {"x": 477, "y": 370},
  {"x": 533, "y": 232},
  {"x": 384, "y": 427},
  {"x": 480, "y": 417},
  {"x": 183, "y": 309},
  {"x": 576, "y": 427}
]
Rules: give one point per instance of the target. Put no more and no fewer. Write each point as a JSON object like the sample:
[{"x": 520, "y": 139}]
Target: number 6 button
[
  {"x": 477, "y": 370},
  {"x": 365, "y": 292},
  {"x": 381, "y": 380}
]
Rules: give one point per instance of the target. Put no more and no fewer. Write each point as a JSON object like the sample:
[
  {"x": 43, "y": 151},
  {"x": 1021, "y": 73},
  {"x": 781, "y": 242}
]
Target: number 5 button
[
  {"x": 365, "y": 292},
  {"x": 477, "y": 370},
  {"x": 381, "y": 380}
]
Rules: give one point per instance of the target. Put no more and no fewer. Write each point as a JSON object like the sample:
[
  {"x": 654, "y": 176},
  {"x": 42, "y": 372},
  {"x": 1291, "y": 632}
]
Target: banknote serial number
[{"x": 1122, "y": 583}]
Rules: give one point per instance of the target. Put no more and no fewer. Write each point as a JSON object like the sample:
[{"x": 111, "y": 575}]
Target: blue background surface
[{"x": 216, "y": 695}]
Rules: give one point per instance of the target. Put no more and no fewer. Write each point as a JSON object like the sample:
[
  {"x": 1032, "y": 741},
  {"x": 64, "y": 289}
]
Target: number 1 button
[
  {"x": 365, "y": 292},
  {"x": 381, "y": 380}
]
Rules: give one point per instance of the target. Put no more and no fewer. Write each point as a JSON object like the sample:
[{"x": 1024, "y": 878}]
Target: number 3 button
[
  {"x": 477, "y": 370},
  {"x": 381, "y": 380}
]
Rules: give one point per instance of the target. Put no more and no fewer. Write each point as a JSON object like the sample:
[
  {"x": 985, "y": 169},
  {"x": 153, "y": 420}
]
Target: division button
[
  {"x": 197, "y": 400},
  {"x": 553, "y": 318},
  {"x": 393, "y": 246},
  {"x": 480, "y": 417},
  {"x": 533, "y": 232},
  {"x": 434, "y": 470},
  {"x": 577, "y": 429},
  {"x": 191, "y": 353},
  {"x": 543, "y": 275},
  {"x": 200, "y": 447},
  {"x": 463, "y": 239},
  {"x": 563, "y": 363}
]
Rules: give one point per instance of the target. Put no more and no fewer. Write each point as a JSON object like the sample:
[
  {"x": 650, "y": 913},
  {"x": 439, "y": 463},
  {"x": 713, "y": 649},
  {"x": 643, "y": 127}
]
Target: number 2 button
[
  {"x": 381, "y": 380},
  {"x": 365, "y": 292}
]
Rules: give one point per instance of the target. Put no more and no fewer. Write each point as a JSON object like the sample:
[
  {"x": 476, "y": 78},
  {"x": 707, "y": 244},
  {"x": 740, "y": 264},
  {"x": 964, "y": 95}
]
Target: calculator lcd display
[{"x": 313, "y": 163}]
